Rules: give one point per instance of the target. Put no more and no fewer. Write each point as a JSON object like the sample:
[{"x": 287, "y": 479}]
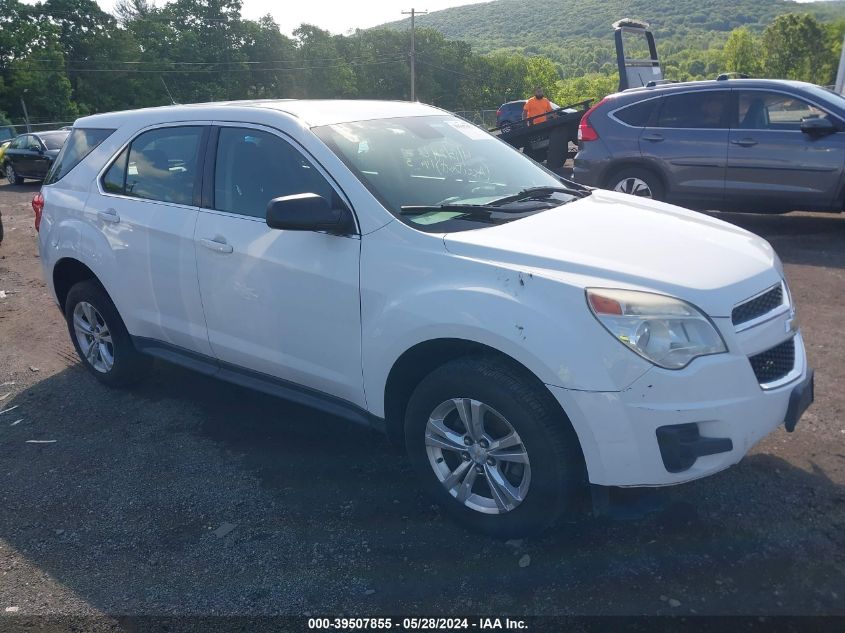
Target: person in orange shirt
[{"x": 538, "y": 104}]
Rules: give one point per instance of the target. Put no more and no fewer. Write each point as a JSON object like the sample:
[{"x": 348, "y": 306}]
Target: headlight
[{"x": 665, "y": 331}]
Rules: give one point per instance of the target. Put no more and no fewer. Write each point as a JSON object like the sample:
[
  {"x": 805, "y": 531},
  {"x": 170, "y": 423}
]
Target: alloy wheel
[
  {"x": 93, "y": 336},
  {"x": 634, "y": 187},
  {"x": 477, "y": 456},
  {"x": 11, "y": 176}
]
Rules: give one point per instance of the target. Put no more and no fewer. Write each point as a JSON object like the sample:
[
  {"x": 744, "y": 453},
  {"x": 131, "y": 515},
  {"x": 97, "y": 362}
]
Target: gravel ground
[{"x": 191, "y": 496}]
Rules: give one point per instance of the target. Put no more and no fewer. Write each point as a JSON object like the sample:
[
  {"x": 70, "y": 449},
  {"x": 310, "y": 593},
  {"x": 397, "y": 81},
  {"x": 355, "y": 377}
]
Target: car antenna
[{"x": 172, "y": 100}]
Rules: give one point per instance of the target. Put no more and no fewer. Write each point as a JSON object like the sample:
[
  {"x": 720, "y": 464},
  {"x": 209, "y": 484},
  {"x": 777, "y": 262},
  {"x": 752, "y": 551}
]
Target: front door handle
[
  {"x": 109, "y": 215},
  {"x": 654, "y": 138},
  {"x": 218, "y": 245},
  {"x": 744, "y": 142}
]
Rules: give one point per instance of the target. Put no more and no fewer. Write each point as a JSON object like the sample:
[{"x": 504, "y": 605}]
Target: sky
[{"x": 337, "y": 16}]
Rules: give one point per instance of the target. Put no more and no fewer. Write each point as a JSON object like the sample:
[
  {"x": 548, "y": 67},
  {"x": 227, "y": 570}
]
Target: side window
[
  {"x": 638, "y": 114},
  {"x": 114, "y": 180},
  {"x": 759, "y": 110},
  {"x": 160, "y": 165},
  {"x": 253, "y": 167},
  {"x": 695, "y": 110},
  {"x": 16, "y": 144},
  {"x": 33, "y": 144}
]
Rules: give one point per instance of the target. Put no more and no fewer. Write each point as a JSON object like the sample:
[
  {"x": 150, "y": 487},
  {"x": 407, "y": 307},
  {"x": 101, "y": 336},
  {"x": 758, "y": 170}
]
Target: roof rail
[
  {"x": 659, "y": 82},
  {"x": 726, "y": 76}
]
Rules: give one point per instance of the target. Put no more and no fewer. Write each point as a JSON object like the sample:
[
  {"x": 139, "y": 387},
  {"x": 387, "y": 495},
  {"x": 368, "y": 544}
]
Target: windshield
[
  {"x": 440, "y": 162},
  {"x": 54, "y": 140}
]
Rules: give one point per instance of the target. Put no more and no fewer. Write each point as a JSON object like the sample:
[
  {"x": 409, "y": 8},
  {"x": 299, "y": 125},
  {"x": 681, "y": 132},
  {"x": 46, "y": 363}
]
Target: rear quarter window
[
  {"x": 80, "y": 143},
  {"x": 637, "y": 114}
]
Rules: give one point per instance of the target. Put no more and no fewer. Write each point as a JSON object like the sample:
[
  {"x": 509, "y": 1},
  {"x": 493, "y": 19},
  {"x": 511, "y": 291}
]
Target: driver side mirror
[
  {"x": 308, "y": 212},
  {"x": 817, "y": 126}
]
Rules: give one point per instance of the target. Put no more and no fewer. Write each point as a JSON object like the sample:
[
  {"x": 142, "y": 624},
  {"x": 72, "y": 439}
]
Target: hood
[
  {"x": 52, "y": 153},
  {"x": 615, "y": 240}
]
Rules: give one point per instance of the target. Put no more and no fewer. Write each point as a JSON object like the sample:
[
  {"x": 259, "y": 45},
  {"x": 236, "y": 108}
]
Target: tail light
[
  {"x": 499, "y": 112},
  {"x": 586, "y": 132},
  {"x": 38, "y": 207}
]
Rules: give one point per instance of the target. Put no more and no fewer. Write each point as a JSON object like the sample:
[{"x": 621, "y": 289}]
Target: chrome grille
[
  {"x": 774, "y": 363},
  {"x": 758, "y": 306}
]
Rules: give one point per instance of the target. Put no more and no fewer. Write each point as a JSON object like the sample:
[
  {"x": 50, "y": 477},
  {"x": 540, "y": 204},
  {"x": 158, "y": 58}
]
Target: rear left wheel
[
  {"x": 636, "y": 181},
  {"x": 12, "y": 176},
  {"x": 100, "y": 337},
  {"x": 493, "y": 448}
]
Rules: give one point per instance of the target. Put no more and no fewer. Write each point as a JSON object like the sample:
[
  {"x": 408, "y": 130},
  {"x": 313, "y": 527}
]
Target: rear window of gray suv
[{"x": 638, "y": 114}]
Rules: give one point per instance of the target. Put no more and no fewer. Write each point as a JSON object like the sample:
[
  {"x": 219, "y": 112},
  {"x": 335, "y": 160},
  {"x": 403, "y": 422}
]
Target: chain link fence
[
  {"x": 16, "y": 128},
  {"x": 482, "y": 118}
]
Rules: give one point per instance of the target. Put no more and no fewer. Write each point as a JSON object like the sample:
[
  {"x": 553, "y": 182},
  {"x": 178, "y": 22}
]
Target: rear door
[
  {"x": 146, "y": 205},
  {"x": 282, "y": 303},
  {"x": 12, "y": 155},
  {"x": 687, "y": 142},
  {"x": 772, "y": 165},
  {"x": 20, "y": 155}
]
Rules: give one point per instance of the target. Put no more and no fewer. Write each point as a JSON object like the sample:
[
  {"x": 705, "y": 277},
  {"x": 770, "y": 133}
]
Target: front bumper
[{"x": 718, "y": 394}]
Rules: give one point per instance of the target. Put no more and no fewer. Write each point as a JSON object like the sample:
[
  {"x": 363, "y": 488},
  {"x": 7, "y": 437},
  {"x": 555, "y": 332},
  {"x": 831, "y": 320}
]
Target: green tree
[
  {"x": 43, "y": 84},
  {"x": 742, "y": 52},
  {"x": 795, "y": 47}
]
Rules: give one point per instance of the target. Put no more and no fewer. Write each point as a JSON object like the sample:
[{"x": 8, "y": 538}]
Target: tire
[
  {"x": 12, "y": 175},
  {"x": 547, "y": 483},
  {"x": 558, "y": 148},
  {"x": 637, "y": 181},
  {"x": 115, "y": 361}
]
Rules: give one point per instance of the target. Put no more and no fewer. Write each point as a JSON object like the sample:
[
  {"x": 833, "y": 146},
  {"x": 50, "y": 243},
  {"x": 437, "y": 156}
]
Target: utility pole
[
  {"x": 413, "y": 13},
  {"x": 25, "y": 113}
]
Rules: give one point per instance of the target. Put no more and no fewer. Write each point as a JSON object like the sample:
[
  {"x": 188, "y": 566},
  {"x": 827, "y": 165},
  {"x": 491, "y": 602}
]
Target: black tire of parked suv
[
  {"x": 557, "y": 474},
  {"x": 638, "y": 173},
  {"x": 130, "y": 366},
  {"x": 12, "y": 176}
]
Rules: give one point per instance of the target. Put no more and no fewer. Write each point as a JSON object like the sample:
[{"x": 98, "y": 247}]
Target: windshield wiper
[
  {"x": 472, "y": 209},
  {"x": 540, "y": 192}
]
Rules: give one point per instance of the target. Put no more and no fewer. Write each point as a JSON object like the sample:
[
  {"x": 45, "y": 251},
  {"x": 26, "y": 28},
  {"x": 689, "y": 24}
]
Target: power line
[
  {"x": 351, "y": 60},
  {"x": 448, "y": 70},
  {"x": 129, "y": 71}
]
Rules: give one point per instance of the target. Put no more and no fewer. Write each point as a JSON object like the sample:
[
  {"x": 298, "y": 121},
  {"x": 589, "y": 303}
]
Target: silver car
[{"x": 737, "y": 144}]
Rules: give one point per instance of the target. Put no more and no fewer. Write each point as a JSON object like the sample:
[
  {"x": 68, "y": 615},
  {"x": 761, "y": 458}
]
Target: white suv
[{"x": 519, "y": 334}]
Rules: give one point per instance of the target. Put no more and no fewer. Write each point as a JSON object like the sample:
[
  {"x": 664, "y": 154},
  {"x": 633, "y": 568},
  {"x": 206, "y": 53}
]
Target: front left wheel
[
  {"x": 492, "y": 446},
  {"x": 100, "y": 337}
]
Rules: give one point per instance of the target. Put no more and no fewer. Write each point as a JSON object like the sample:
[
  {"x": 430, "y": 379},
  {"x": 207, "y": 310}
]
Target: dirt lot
[{"x": 123, "y": 511}]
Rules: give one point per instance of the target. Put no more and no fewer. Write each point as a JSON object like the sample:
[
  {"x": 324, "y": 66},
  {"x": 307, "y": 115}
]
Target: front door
[
  {"x": 772, "y": 165},
  {"x": 281, "y": 303}
]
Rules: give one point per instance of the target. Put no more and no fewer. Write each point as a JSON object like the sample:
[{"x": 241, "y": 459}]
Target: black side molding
[
  {"x": 682, "y": 444},
  {"x": 258, "y": 381}
]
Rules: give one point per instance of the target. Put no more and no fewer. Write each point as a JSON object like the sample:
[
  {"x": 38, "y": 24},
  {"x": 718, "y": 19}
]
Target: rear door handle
[
  {"x": 109, "y": 215},
  {"x": 744, "y": 142},
  {"x": 218, "y": 245},
  {"x": 654, "y": 138}
]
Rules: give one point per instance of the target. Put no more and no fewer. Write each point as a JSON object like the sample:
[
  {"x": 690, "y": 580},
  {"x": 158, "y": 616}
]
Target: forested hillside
[
  {"x": 65, "y": 58},
  {"x": 577, "y": 34}
]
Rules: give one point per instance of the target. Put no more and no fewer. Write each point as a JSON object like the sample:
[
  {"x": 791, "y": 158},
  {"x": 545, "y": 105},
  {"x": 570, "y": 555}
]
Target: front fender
[{"x": 417, "y": 292}]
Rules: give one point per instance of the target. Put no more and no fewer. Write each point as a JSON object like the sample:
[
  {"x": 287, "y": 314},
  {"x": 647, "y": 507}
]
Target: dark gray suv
[{"x": 741, "y": 144}]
